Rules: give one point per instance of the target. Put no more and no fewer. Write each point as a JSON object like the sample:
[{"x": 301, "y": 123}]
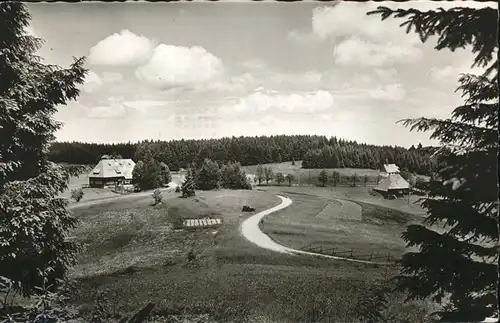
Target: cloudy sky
[{"x": 171, "y": 70}]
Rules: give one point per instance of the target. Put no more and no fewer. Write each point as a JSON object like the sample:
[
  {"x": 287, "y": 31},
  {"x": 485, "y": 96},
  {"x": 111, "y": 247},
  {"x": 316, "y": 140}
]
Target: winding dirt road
[{"x": 251, "y": 231}]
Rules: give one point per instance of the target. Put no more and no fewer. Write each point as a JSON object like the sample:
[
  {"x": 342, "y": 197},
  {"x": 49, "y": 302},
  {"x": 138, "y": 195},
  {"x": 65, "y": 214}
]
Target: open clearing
[
  {"x": 310, "y": 176},
  {"x": 133, "y": 256},
  {"x": 306, "y": 222},
  {"x": 306, "y": 177},
  {"x": 358, "y": 194}
]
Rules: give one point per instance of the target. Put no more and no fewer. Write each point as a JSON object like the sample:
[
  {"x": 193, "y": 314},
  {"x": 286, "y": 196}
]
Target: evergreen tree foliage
[
  {"x": 290, "y": 178},
  {"x": 457, "y": 246},
  {"x": 188, "y": 186},
  {"x": 209, "y": 175},
  {"x": 149, "y": 173},
  {"x": 138, "y": 174},
  {"x": 234, "y": 177},
  {"x": 315, "y": 151},
  {"x": 33, "y": 221},
  {"x": 323, "y": 177},
  {"x": 165, "y": 175}
]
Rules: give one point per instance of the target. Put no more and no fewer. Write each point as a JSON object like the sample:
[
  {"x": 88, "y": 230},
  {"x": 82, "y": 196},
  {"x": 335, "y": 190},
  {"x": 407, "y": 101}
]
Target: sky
[{"x": 207, "y": 70}]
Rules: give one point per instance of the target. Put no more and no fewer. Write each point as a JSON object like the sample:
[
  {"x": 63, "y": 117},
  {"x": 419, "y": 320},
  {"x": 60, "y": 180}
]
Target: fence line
[{"x": 350, "y": 253}]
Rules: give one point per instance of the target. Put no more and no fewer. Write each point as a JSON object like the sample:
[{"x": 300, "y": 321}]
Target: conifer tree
[
  {"x": 34, "y": 221},
  {"x": 209, "y": 176},
  {"x": 323, "y": 177},
  {"x": 458, "y": 263},
  {"x": 188, "y": 186}
]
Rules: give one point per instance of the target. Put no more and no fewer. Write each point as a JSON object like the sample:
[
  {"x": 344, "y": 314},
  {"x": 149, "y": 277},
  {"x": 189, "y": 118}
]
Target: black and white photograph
[{"x": 249, "y": 162}]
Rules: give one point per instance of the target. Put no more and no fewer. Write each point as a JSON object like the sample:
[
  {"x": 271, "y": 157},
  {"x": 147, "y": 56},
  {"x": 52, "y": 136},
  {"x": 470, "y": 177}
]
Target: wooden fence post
[
  {"x": 351, "y": 253},
  {"x": 371, "y": 255}
]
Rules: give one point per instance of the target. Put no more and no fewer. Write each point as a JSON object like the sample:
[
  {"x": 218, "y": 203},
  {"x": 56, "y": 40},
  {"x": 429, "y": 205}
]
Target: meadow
[
  {"x": 315, "y": 221},
  {"x": 305, "y": 176},
  {"x": 133, "y": 256}
]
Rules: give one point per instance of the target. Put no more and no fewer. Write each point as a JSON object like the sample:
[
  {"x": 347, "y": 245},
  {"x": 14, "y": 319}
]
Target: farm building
[
  {"x": 392, "y": 182},
  {"x": 111, "y": 172}
]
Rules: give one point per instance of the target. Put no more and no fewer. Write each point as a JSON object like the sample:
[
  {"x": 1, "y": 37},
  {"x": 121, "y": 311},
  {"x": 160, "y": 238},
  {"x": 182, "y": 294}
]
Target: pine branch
[
  {"x": 451, "y": 132},
  {"x": 427, "y": 239},
  {"x": 464, "y": 217}
]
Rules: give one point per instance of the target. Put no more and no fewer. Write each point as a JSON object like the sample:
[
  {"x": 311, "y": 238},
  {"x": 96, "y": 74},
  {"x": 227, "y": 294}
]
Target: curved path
[{"x": 251, "y": 231}]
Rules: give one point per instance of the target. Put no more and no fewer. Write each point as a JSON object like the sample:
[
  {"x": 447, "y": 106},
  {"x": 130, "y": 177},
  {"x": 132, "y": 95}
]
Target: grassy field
[
  {"x": 310, "y": 176},
  {"x": 133, "y": 256},
  {"x": 302, "y": 224},
  {"x": 358, "y": 194}
]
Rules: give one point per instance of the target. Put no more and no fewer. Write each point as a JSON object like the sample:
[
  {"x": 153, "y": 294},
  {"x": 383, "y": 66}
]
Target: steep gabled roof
[
  {"x": 391, "y": 168},
  {"x": 392, "y": 182},
  {"x": 109, "y": 168}
]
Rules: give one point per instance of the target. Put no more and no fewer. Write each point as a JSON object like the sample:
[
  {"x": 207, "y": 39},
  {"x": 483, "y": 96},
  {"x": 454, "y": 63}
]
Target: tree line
[{"x": 315, "y": 151}]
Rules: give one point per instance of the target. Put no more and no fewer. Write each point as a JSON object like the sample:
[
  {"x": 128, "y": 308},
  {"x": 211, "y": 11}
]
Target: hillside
[{"x": 315, "y": 151}]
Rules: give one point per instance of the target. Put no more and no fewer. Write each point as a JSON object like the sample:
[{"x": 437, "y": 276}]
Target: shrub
[
  {"x": 158, "y": 198},
  {"x": 77, "y": 194},
  {"x": 178, "y": 189}
]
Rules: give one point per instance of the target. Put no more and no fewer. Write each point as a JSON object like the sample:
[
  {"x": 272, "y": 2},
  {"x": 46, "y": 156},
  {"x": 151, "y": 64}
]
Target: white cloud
[
  {"x": 356, "y": 51},
  {"x": 361, "y": 39},
  {"x": 391, "y": 92},
  {"x": 124, "y": 48},
  {"x": 176, "y": 66},
  {"x": 303, "y": 37},
  {"x": 271, "y": 101},
  {"x": 451, "y": 73},
  {"x": 111, "y": 77},
  {"x": 349, "y": 18},
  {"x": 92, "y": 82},
  {"x": 235, "y": 84},
  {"x": 107, "y": 112}
]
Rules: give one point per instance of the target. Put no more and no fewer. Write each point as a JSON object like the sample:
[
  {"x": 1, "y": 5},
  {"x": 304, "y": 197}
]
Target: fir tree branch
[{"x": 451, "y": 132}]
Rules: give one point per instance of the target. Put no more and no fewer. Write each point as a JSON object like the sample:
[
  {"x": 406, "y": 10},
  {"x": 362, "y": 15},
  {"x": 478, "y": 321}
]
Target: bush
[
  {"x": 178, "y": 189},
  {"x": 158, "y": 198},
  {"x": 77, "y": 194}
]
